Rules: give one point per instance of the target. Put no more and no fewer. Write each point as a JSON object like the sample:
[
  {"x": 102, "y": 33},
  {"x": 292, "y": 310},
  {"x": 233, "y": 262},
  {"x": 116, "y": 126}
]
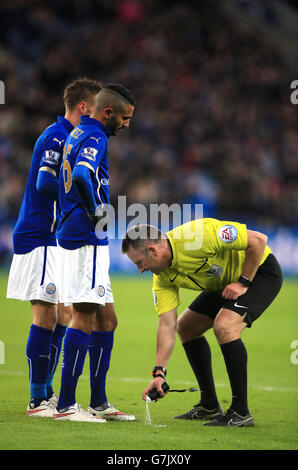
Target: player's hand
[
  {"x": 234, "y": 290},
  {"x": 156, "y": 383},
  {"x": 101, "y": 217}
]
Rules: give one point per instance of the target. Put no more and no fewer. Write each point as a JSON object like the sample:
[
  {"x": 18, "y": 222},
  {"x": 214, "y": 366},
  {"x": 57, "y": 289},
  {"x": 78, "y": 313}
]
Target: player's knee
[
  {"x": 106, "y": 318},
  {"x": 44, "y": 314},
  {"x": 106, "y": 324},
  {"x": 64, "y": 314}
]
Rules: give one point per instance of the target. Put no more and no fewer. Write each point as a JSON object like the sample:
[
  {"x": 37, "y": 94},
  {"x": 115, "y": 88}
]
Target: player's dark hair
[
  {"x": 80, "y": 89},
  {"x": 123, "y": 91},
  {"x": 139, "y": 236}
]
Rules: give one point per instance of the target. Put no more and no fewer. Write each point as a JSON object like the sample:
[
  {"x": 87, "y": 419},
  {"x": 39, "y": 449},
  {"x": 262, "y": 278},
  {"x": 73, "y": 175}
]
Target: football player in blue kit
[
  {"x": 84, "y": 255},
  {"x": 34, "y": 269}
]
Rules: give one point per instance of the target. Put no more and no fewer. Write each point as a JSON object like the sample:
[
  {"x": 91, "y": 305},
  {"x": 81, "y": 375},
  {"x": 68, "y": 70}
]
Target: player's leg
[
  {"x": 81, "y": 286},
  {"x": 38, "y": 351},
  {"x": 74, "y": 352},
  {"x": 191, "y": 328},
  {"x": 100, "y": 350},
  {"x": 64, "y": 316},
  {"x": 32, "y": 278}
]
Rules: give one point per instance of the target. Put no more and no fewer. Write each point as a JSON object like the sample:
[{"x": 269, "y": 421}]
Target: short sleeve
[
  {"x": 220, "y": 236},
  {"x": 91, "y": 152},
  {"x": 165, "y": 297},
  {"x": 231, "y": 235},
  {"x": 52, "y": 153}
]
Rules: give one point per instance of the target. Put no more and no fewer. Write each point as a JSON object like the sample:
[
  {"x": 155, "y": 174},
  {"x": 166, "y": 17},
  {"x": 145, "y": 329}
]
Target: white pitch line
[{"x": 146, "y": 380}]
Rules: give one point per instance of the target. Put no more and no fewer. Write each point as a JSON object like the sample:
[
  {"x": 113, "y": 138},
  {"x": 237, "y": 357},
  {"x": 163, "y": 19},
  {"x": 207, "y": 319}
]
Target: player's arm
[
  {"x": 47, "y": 181},
  {"x": 165, "y": 342},
  {"x": 256, "y": 244},
  {"x": 87, "y": 162},
  {"x": 81, "y": 178}
]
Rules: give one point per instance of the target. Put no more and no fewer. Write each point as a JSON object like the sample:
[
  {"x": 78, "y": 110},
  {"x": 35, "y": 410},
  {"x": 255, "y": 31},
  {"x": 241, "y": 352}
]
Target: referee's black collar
[{"x": 172, "y": 253}]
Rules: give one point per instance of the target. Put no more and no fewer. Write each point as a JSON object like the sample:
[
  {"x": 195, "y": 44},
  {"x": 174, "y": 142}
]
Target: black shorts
[{"x": 265, "y": 287}]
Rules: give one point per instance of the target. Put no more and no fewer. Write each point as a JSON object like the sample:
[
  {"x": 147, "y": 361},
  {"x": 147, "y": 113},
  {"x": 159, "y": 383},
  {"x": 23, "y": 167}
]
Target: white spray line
[{"x": 146, "y": 380}]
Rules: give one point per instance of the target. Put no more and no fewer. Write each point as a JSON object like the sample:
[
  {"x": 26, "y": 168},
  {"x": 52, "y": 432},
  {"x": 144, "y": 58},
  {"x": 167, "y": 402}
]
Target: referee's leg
[
  {"x": 228, "y": 326},
  {"x": 191, "y": 328}
]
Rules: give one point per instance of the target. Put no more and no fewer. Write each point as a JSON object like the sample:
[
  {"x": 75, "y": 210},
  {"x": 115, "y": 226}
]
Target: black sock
[
  {"x": 235, "y": 357},
  {"x": 199, "y": 356}
]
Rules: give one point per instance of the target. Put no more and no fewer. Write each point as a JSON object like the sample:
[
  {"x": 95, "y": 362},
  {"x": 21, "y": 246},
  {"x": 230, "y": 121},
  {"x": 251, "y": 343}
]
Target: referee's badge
[
  {"x": 227, "y": 233},
  {"x": 101, "y": 291},
  {"x": 51, "y": 288},
  {"x": 215, "y": 271}
]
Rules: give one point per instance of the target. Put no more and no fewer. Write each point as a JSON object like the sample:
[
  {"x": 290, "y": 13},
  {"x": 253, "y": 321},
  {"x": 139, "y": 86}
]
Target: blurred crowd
[{"x": 213, "y": 122}]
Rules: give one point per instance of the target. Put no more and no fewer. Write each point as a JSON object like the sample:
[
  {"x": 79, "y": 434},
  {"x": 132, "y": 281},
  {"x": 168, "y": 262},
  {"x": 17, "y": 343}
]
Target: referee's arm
[
  {"x": 256, "y": 244},
  {"x": 165, "y": 342}
]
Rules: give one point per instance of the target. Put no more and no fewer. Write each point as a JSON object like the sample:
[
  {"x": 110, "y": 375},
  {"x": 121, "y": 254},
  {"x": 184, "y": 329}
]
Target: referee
[{"x": 239, "y": 278}]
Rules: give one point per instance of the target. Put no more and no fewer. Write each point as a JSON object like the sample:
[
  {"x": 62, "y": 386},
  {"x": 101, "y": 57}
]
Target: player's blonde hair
[{"x": 80, "y": 89}]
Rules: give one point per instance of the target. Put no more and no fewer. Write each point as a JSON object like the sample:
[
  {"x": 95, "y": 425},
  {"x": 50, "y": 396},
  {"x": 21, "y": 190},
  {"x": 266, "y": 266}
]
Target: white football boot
[
  {"x": 53, "y": 401},
  {"x": 44, "y": 410},
  {"x": 111, "y": 414},
  {"x": 76, "y": 413}
]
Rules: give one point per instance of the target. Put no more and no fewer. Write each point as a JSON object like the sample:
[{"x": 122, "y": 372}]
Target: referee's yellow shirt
[{"x": 208, "y": 254}]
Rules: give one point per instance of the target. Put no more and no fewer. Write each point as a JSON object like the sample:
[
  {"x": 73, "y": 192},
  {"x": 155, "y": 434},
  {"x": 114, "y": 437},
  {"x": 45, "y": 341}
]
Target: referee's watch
[
  {"x": 245, "y": 281},
  {"x": 157, "y": 368}
]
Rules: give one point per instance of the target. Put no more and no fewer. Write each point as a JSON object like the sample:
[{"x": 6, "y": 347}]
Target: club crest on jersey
[
  {"x": 89, "y": 153},
  {"x": 51, "y": 157},
  {"x": 101, "y": 291},
  {"x": 228, "y": 233},
  {"x": 51, "y": 288}
]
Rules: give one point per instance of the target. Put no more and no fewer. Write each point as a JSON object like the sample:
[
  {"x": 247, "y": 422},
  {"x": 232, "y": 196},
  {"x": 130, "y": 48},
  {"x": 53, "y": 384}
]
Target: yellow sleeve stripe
[
  {"x": 87, "y": 165},
  {"x": 49, "y": 170}
]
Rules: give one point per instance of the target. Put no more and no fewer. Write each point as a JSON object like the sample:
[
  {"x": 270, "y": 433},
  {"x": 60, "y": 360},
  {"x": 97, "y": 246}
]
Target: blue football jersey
[
  {"x": 39, "y": 214},
  {"x": 86, "y": 145}
]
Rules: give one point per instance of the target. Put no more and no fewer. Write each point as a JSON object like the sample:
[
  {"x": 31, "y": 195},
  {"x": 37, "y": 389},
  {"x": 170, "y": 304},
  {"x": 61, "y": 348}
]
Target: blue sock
[
  {"x": 56, "y": 346},
  {"x": 100, "y": 348},
  {"x": 38, "y": 352},
  {"x": 74, "y": 353}
]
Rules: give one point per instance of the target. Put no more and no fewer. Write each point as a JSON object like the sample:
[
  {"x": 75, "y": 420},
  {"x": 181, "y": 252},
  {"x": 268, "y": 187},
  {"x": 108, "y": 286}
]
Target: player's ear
[
  {"x": 82, "y": 107},
  {"x": 107, "y": 112}
]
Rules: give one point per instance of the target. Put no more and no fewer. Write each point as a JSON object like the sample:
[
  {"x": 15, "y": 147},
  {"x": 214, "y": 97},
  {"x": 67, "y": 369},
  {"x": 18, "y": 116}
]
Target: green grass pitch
[{"x": 272, "y": 376}]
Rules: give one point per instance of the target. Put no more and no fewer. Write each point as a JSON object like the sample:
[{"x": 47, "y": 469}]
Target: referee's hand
[
  {"x": 156, "y": 383},
  {"x": 234, "y": 290}
]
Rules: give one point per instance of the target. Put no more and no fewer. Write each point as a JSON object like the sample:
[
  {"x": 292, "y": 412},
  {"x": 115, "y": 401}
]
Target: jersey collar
[
  {"x": 95, "y": 122},
  {"x": 173, "y": 251},
  {"x": 65, "y": 122}
]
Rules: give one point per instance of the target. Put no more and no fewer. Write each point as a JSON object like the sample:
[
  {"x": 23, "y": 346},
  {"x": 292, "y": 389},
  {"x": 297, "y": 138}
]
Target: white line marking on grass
[{"x": 145, "y": 380}]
